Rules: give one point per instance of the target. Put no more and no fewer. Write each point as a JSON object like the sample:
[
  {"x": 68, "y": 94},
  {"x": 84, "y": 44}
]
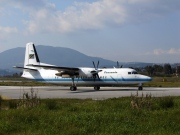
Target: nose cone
[
  {"x": 149, "y": 79},
  {"x": 146, "y": 78}
]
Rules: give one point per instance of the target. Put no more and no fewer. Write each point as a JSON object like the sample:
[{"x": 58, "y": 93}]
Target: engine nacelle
[
  {"x": 66, "y": 74},
  {"x": 86, "y": 72}
]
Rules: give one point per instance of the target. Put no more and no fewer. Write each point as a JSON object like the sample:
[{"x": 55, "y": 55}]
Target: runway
[{"x": 16, "y": 92}]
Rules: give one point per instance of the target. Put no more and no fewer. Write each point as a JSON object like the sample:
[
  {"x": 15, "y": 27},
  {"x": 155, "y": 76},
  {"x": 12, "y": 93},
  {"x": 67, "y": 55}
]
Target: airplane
[{"x": 97, "y": 77}]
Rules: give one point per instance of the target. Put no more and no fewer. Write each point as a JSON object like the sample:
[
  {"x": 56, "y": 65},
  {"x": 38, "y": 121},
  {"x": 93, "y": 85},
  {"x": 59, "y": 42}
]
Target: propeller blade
[
  {"x": 96, "y": 71},
  {"x": 97, "y": 64},
  {"x": 118, "y": 65},
  {"x": 98, "y": 76},
  {"x": 93, "y": 71},
  {"x": 94, "y": 77},
  {"x": 94, "y": 65}
]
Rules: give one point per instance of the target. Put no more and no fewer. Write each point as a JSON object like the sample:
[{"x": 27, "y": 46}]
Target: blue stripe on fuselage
[{"x": 91, "y": 80}]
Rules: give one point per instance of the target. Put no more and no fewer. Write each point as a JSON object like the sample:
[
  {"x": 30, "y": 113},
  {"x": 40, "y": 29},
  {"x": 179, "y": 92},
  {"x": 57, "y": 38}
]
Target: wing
[
  {"x": 70, "y": 69},
  {"x": 24, "y": 68}
]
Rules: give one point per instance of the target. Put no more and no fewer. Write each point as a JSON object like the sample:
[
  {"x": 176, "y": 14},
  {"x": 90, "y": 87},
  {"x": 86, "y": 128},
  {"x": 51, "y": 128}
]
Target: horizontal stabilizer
[{"x": 24, "y": 68}]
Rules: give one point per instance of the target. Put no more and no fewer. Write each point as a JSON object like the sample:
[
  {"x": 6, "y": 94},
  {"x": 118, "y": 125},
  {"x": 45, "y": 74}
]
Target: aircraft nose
[
  {"x": 149, "y": 78},
  {"x": 146, "y": 78}
]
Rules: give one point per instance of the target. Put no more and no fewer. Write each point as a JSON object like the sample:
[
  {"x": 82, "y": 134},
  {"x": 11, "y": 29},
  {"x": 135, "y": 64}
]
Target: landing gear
[
  {"x": 73, "y": 87},
  {"x": 140, "y": 88},
  {"x": 96, "y": 87}
]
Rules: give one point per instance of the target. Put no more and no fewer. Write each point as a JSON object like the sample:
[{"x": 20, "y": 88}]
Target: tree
[
  {"x": 137, "y": 69},
  {"x": 150, "y": 70},
  {"x": 158, "y": 68},
  {"x": 167, "y": 69},
  {"x": 178, "y": 69}
]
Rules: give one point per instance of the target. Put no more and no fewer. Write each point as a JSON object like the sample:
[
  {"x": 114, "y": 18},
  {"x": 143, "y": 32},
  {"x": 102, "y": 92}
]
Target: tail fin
[{"x": 31, "y": 56}]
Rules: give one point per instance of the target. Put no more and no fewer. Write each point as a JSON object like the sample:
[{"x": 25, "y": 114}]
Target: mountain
[
  {"x": 5, "y": 72},
  {"x": 10, "y": 57},
  {"x": 59, "y": 56}
]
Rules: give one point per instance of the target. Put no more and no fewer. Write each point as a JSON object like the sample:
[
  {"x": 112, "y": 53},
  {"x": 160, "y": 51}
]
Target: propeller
[
  {"x": 96, "y": 71},
  {"x": 118, "y": 66}
]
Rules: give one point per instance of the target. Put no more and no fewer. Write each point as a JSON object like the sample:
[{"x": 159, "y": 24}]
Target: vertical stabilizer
[{"x": 31, "y": 56}]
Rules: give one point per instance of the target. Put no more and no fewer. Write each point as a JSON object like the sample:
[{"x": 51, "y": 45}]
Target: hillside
[
  {"x": 53, "y": 55},
  {"x": 59, "y": 56}
]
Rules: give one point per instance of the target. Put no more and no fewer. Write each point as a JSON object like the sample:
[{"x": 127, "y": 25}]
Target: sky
[{"x": 118, "y": 30}]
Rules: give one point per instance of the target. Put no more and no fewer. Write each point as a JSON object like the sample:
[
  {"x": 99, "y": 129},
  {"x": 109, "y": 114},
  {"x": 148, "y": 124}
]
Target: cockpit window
[
  {"x": 129, "y": 73},
  {"x": 134, "y": 72}
]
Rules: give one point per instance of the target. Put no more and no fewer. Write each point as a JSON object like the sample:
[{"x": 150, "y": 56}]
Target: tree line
[{"x": 162, "y": 70}]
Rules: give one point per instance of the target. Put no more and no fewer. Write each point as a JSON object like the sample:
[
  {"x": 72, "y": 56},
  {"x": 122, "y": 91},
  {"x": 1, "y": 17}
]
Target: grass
[
  {"x": 163, "y": 82},
  {"x": 105, "y": 117}
]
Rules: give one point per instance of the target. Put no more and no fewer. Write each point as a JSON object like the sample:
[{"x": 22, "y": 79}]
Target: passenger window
[{"x": 129, "y": 73}]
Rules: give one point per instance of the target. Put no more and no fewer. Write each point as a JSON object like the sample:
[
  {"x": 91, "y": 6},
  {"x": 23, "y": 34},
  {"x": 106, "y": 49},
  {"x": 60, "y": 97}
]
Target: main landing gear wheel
[
  {"x": 96, "y": 87},
  {"x": 140, "y": 88},
  {"x": 73, "y": 88}
]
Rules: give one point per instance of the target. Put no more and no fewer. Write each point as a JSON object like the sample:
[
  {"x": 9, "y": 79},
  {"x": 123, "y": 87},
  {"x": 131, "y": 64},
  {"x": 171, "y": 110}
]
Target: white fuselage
[{"x": 107, "y": 77}]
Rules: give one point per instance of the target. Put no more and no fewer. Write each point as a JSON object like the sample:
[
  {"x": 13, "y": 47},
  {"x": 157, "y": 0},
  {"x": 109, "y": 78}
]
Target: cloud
[
  {"x": 23, "y": 3},
  {"x": 171, "y": 51},
  {"x": 45, "y": 17},
  {"x": 5, "y": 31},
  {"x": 8, "y": 30},
  {"x": 99, "y": 14},
  {"x": 158, "y": 51},
  {"x": 81, "y": 16}
]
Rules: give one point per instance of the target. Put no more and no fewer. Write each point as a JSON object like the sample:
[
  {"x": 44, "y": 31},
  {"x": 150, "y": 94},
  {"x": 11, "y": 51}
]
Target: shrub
[
  {"x": 166, "y": 102},
  {"x": 29, "y": 100},
  {"x": 141, "y": 102},
  {"x": 1, "y": 101},
  {"x": 12, "y": 104},
  {"x": 51, "y": 104}
]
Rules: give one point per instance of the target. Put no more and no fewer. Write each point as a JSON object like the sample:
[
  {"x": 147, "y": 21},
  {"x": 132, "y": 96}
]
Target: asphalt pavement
[{"x": 16, "y": 92}]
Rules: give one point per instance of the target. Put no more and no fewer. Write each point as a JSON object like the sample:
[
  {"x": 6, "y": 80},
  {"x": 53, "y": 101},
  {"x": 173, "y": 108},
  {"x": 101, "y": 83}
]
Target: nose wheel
[
  {"x": 96, "y": 87},
  {"x": 140, "y": 88},
  {"x": 73, "y": 88}
]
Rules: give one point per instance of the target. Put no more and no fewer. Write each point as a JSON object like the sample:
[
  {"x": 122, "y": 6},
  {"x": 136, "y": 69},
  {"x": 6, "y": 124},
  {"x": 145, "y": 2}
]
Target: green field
[
  {"x": 33, "y": 116},
  {"x": 164, "y": 82}
]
